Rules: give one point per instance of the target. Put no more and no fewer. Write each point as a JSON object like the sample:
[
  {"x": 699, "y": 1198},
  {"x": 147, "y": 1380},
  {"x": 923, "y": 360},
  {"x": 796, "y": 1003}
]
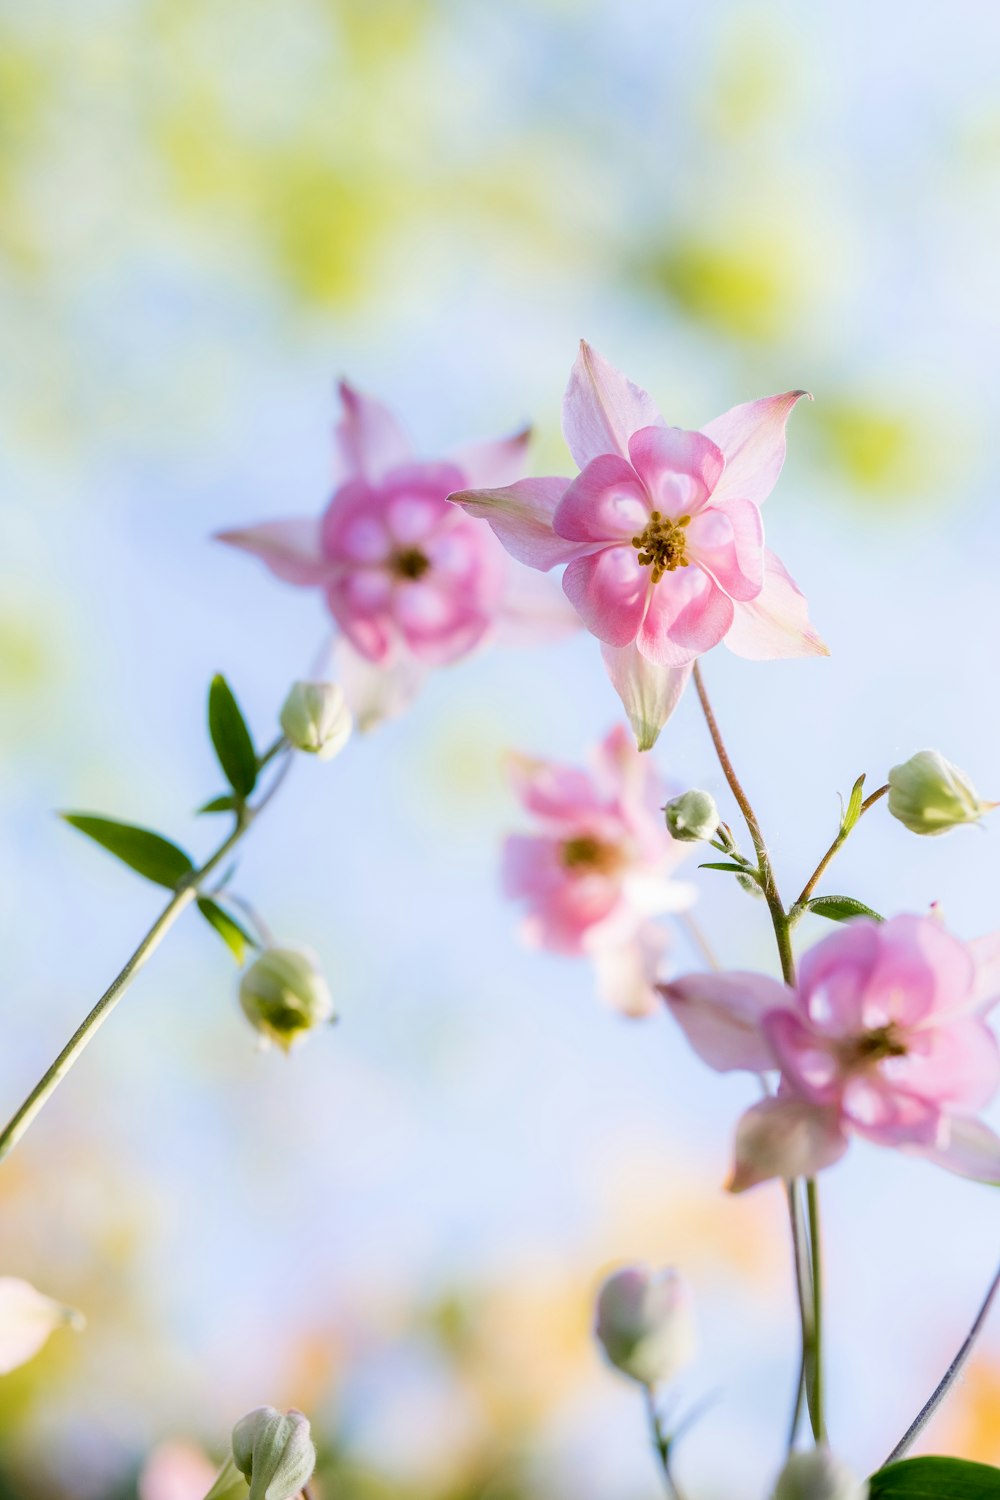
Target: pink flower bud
[{"x": 645, "y": 1323}]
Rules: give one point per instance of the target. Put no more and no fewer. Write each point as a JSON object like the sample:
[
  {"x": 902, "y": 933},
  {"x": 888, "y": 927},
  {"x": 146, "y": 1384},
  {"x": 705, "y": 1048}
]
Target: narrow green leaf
[
  {"x": 147, "y": 853},
  {"x": 231, "y": 738},
  {"x": 228, "y": 803},
  {"x": 853, "y": 812},
  {"x": 235, "y": 937},
  {"x": 935, "y": 1479},
  {"x": 841, "y": 908},
  {"x": 727, "y": 865}
]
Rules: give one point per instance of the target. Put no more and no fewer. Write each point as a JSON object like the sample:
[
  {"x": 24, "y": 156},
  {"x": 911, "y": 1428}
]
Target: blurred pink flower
[
  {"x": 410, "y": 581},
  {"x": 176, "y": 1471},
  {"x": 661, "y": 532},
  {"x": 884, "y": 1036},
  {"x": 599, "y": 867}
]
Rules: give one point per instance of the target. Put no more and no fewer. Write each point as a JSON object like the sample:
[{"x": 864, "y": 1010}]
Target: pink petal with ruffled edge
[
  {"x": 606, "y": 504},
  {"x": 500, "y": 462},
  {"x": 957, "y": 1065},
  {"x": 369, "y": 440},
  {"x": 833, "y": 976},
  {"x": 609, "y": 590},
  {"x": 729, "y": 544},
  {"x": 785, "y": 1138},
  {"x": 602, "y": 409},
  {"x": 921, "y": 974},
  {"x": 967, "y": 1147},
  {"x": 649, "y": 693},
  {"x": 776, "y": 623},
  {"x": 752, "y": 437},
  {"x": 521, "y": 516},
  {"x": 561, "y": 795},
  {"x": 688, "y": 614},
  {"x": 680, "y": 469},
  {"x": 808, "y": 1061},
  {"x": 721, "y": 1016},
  {"x": 291, "y": 549}
]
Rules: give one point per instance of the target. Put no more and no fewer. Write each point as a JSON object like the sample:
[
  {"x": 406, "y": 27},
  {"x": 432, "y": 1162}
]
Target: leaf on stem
[
  {"x": 935, "y": 1479},
  {"x": 728, "y": 865},
  {"x": 228, "y": 803},
  {"x": 841, "y": 908},
  {"x": 147, "y": 853},
  {"x": 853, "y": 810},
  {"x": 235, "y": 937},
  {"x": 231, "y": 738}
]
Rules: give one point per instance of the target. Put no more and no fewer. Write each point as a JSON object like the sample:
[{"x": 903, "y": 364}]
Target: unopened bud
[
  {"x": 817, "y": 1475},
  {"x": 692, "y": 817},
  {"x": 274, "y": 1453},
  {"x": 315, "y": 718},
  {"x": 27, "y": 1317},
  {"x": 645, "y": 1323},
  {"x": 929, "y": 795},
  {"x": 284, "y": 995}
]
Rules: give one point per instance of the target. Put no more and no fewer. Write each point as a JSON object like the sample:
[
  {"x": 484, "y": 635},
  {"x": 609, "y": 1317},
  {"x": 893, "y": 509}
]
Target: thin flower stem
[
  {"x": 661, "y": 1443},
  {"x": 803, "y": 1287},
  {"x": 837, "y": 844},
  {"x": 699, "y": 939},
  {"x": 184, "y": 895},
  {"x": 816, "y": 1352},
  {"x": 948, "y": 1378}
]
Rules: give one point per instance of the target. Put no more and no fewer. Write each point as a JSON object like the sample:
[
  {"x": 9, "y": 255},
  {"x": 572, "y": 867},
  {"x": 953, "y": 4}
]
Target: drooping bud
[
  {"x": 929, "y": 795},
  {"x": 27, "y": 1317},
  {"x": 817, "y": 1475},
  {"x": 645, "y": 1323},
  {"x": 274, "y": 1453},
  {"x": 284, "y": 995},
  {"x": 316, "y": 718},
  {"x": 692, "y": 817}
]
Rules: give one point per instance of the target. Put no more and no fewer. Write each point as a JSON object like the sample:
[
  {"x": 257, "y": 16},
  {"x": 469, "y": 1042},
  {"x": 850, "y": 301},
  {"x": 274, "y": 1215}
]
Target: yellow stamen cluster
[
  {"x": 663, "y": 545},
  {"x": 875, "y": 1046},
  {"x": 588, "y": 855}
]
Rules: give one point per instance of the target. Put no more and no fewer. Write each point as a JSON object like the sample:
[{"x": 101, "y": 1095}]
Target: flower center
[
  {"x": 662, "y": 546},
  {"x": 410, "y": 563},
  {"x": 875, "y": 1046},
  {"x": 588, "y": 855}
]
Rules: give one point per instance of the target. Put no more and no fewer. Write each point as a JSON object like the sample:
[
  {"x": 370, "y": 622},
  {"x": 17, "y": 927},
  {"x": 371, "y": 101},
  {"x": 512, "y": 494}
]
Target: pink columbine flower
[
  {"x": 411, "y": 582},
  {"x": 884, "y": 1036},
  {"x": 599, "y": 866},
  {"x": 661, "y": 535}
]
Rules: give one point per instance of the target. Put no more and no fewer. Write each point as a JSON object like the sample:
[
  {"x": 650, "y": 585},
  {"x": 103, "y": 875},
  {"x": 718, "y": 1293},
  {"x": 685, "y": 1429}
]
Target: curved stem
[
  {"x": 184, "y": 895},
  {"x": 948, "y": 1378},
  {"x": 838, "y": 842},
  {"x": 661, "y": 1443}
]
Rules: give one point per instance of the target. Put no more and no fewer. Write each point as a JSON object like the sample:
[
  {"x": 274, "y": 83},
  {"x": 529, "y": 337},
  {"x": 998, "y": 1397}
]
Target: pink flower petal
[
  {"x": 489, "y": 464},
  {"x": 986, "y": 956},
  {"x": 729, "y": 544},
  {"x": 885, "y": 1116},
  {"x": 533, "y": 611},
  {"x": 808, "y": 1061},
  {"x": 833, "y": 976},
  {"x": 291, "y": 549},
  {"x": 752, "y": 437},
  {"x": 368, "y": 437},
  {"x": 369, "y": 634},
  {"x": 722, "y": 1014},
  {"x": 787, "y": 1138},
  {"x": 627, "y": 969},
  {"x": 353, "y": 527},
  {"x": 521, "y": 516},
  {"x": 609, "y": 590},
  {"x": 679, "y": 469},
  {"x": 649, "y": 693},
  {"x": 602, "y": 409},
  {"x": 688, "y": 614},
  {"x": 563, "y": 796},
  {"x": 957, "y": 1065},
  {"x": 376, "y": 693},
  {"x": 968, "y": 1147},
  {"x": 922, "y": 972},
  {"x": 776, "y": 623},
  {"x": 605, "y": 503}
]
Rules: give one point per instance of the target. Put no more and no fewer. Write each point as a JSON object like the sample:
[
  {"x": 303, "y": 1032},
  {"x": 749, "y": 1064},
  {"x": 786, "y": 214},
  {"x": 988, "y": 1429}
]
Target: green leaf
[
  {"x": 235, "y": 937},
  {"x": 936, "y": 1479},
  {"x": 231, "y": 738},
  {"x": 728, "y": 865},
  {"x": 841, "y": 908},
  {"x": 853, "y": 811},
  {"x": 147, "y": 853},
  {"x": 228, "y": 803}
]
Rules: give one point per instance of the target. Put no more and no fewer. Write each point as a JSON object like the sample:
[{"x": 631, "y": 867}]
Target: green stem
[
  {"x": 661, "y": 1443},
  {"x": 803, "y": 1287},
  {"x": 816, "y": 1350},
  {"x": 834, "y": 848},
  {"x": 184, "y": 895}
]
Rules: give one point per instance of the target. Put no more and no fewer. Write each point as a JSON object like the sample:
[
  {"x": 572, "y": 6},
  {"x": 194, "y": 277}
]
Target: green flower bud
[
  {"x": 692, "y": 817},
  {"x": 645, "y": 1323},
  {"x": 929, "y": 795},
  {"x": 315, "y": 718},
  {"x": 284, "y": 995},
  {"x": 229, "y": 1484},
  {"x": 274, "y": 1453},
  {"x": 817, "y": 1475}
]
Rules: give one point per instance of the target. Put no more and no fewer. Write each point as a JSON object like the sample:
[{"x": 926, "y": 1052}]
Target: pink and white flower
[
  {"x": 661, "y": 534},
  {"x": 884, "y": 1036},
  {"x": 599, "y": 867},
  {"x": 411, "y": 582}
]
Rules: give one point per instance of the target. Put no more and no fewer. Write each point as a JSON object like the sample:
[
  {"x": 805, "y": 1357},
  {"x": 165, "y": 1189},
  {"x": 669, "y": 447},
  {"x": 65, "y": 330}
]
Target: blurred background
[{"x": 210, "y": 210}]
